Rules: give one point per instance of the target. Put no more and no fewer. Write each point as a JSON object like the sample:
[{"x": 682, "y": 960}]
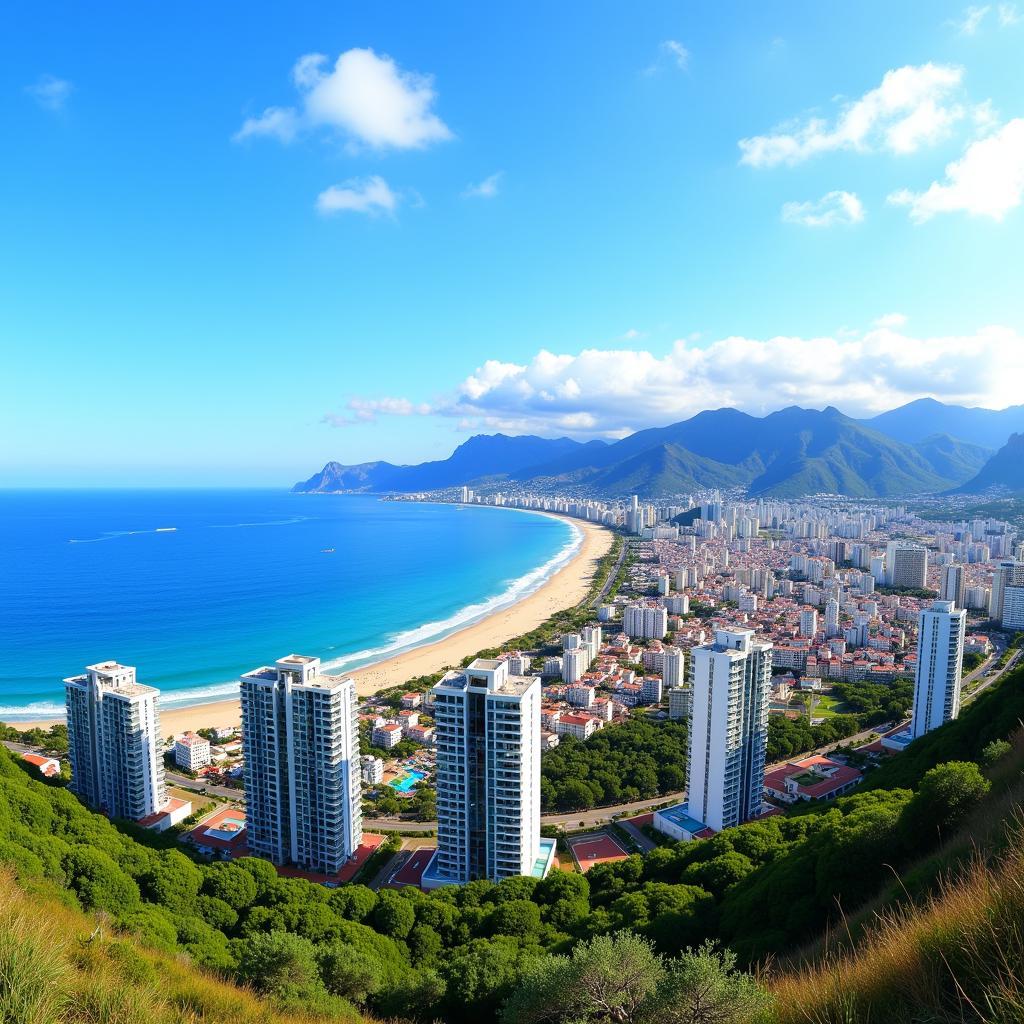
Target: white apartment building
[
  {"x": 940, "y": 655},
  {"x": 832, "y": 617},
  {"x": 580, "y": 727},
  {"x": 673, "y": 663},
  {"x": 680, "y": 703},
  {"x": 519, "y": 664},
  {"x": 488, "y": 776},
  {"x": 191, "y": 752},
  {"x": 731, "y": 683},
  {"x": 647, "y": 622},
  {"x": 808, "y": 622},
  {"x": 552, "y": 667},
  {"x": 372, "y": 769},
  {"x": 1013, "y": 609},
  {"x": 582, "y": 696},
  {"x": 575, "y": 662},
  {"x": 906, "y": 565},
  {"x": 387, "y": 735},
  {"x": 114, "y": 741},
  {"x": 953, "y": 585},
  {"x": 592, "y": 638},
  {"x": 303, "y": 789},
  {"x": 1009, "y": 573}
]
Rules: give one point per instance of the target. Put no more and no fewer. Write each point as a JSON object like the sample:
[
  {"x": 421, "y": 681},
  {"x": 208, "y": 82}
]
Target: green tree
[
  {"x": 995, "y": 751},
  {"x": 946, "y": 793},
  {"x": 349, "y": 972},
  {"x": 516, "y": 917},
  {"x": 393, "y": 915},
  {"x": 354, "y": 902},
  {"x": 610, "y": 978},
  {"x": 279, "y": 964},
  {"x": 703, "y": 987},
  {"x": 232, "y": 883}
]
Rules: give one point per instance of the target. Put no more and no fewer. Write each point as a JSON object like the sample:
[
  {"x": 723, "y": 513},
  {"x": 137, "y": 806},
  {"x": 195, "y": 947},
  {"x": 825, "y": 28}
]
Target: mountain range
[{"x": 787, "y": 453}]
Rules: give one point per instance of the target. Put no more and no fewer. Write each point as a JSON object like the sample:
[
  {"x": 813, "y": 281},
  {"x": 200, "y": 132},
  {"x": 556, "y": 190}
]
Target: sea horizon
[{"x": 352, "y": 579}]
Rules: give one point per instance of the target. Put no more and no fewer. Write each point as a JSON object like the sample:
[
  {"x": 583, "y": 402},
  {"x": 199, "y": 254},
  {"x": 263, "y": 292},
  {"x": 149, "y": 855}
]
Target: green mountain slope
[
  {"x": 953, "y": 459},
  {"x": 1005, "y": 470}
]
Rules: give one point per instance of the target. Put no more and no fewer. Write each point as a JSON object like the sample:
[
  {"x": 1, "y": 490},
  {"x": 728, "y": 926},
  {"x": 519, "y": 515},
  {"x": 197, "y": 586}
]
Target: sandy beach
[{"x": 568, "y": 586}]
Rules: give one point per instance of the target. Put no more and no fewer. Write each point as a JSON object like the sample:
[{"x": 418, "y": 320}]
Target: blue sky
[{"x": 463, "y": 218}]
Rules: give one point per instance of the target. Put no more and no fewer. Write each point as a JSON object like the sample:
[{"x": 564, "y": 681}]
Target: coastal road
[
  {"x": 571, "y": 820},
  {"x": 610, "y": 578},
  {"x": 200, "y": 786}
]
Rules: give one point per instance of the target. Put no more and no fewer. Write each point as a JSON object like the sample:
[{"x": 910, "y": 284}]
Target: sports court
[{"x": 596, "y": 848}]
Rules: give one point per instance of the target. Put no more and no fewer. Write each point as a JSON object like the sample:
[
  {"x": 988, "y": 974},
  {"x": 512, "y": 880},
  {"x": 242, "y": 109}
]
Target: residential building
[
  {"x": 303, "y": 787},
  {"x": 581, "y": 727},
  {"x": 488, "y": 726},
  {"x": 1009, "y": 573},
  {"x": 832, "y": 617},
  {"x": 940, "y": 654},
  {"x": 387, "y": 735},
  {"x": 731, "y": 682},
  {"x": 810, "y": 778},
  {"x": 680, "y": 703},
  {"x": 191, "y": 752},
  {"x": 114, "y": 741},
  {"x": 372, "y": 770},
  {"x": 673, "y": 664},
  {"x": 46, "y": 766},
  {"x": 645, "y": 621},
  {"x": 809, "y": 622},
  {"x": 953, "y": 585},
  {"x": 581, "y": 695},
  {"x": 1013, "y": 609},
  {"x": 906, "y": 565},
  {"x": 575, "y": 662}
]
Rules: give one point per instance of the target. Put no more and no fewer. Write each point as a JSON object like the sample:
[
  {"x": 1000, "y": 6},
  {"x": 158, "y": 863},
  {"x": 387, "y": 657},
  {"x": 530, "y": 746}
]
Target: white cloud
[
  {"x": 365, "y": 97},
  {"x": 891, "y": 320},
  {"x": 677, "y": 52},
  {"x": 971, "y": 20},
  {"x": 987, "y": 181},
  {"x": 670, "y": 51},
  {"x": 366, "y": 410},
  {"x": 833, "y": 208},
  {"x": 610, "y": 393},
  {"x": 1008, "y": 15},
  {"x": 912, "y": 107},
  {"x": 358, "y": 195},
  {"x": 50, "y": 92},
  {"x": 281, "y": 123},
  {"x": 486, "y": 189}
]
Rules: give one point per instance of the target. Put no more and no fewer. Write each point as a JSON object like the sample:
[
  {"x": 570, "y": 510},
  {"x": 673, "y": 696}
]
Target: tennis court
[{"x": 596, "y": 848}]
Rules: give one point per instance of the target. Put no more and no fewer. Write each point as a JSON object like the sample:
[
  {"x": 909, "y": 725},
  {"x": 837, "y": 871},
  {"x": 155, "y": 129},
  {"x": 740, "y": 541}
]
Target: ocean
[{"x": 194, "y": 587}]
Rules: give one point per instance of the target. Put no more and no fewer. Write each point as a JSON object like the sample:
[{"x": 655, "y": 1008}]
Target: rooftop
[{"x": 680, "y": 816}]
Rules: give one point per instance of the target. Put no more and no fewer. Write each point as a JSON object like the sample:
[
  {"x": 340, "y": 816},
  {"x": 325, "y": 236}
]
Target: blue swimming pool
[{"x": 407, "y": 781}]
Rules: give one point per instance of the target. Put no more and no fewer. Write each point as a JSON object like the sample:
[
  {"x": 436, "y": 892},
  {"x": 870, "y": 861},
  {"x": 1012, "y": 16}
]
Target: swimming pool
[
  {"x": 227, "y": 827},
  {"x": 407, "y": 781}
]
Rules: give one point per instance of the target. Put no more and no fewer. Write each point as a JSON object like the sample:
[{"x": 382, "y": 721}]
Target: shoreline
[{"x": 562, "y": 589}]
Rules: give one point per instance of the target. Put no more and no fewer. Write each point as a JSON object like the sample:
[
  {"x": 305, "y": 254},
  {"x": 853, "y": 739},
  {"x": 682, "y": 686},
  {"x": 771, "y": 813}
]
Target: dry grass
[
  {"x": 957, "y": 957},
  {"x": 56, "y": 968}
]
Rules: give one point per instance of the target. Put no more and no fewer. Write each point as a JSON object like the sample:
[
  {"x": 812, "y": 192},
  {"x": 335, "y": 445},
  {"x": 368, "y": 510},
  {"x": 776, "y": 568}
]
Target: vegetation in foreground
[{"x": 60, "y": 966}]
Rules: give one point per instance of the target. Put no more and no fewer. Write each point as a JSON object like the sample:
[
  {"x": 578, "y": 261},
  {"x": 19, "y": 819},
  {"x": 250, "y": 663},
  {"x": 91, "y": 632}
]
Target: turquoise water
[
  {"x": 194, "y": 587},
  {"x": 404, "y": 784}
]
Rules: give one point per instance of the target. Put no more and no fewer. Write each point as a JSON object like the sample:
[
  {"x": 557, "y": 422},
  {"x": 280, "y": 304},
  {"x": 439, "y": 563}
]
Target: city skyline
[{"x": 627, "y": 231}]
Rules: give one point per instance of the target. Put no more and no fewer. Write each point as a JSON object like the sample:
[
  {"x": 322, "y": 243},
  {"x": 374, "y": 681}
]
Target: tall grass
[
  {"x": 955, "y": 957},
  {"x": 56, "y": 967}
]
